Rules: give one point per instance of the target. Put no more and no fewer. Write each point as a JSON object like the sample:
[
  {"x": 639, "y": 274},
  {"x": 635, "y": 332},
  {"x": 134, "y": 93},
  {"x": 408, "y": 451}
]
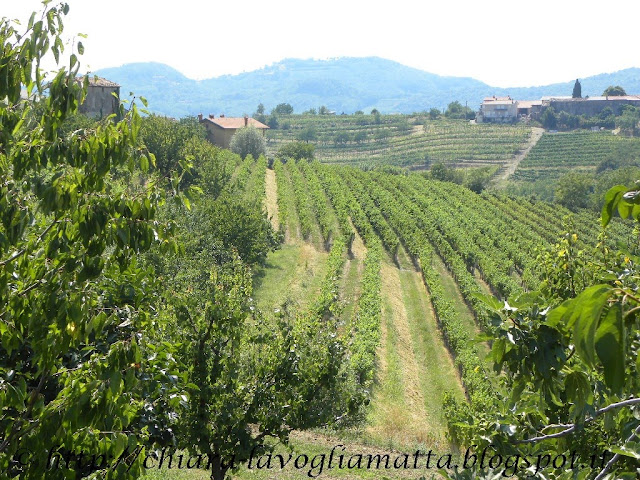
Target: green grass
[{"x": 291, "y": 276}]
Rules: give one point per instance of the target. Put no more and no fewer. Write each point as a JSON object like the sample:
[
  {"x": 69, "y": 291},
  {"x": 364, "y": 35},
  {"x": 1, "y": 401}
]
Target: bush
[
  {"x": 248, "y": 141},
  {"x": 297, "y": 151}
]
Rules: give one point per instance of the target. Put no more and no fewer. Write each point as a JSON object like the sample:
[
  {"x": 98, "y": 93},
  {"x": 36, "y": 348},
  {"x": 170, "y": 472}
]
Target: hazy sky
[{"x": 503, "y": 43}]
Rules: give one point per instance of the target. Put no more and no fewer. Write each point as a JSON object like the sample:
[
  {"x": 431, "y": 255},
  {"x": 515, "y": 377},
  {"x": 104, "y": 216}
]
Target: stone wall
[{"x": 100, "y": 101}]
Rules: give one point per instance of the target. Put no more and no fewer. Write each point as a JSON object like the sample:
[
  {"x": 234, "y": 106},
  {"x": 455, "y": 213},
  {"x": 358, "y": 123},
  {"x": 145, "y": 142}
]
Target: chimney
[
  {"x": 200, "y": 117},
  {"x": 212, "y": 116},
  {"x": 246, "y": 120}
]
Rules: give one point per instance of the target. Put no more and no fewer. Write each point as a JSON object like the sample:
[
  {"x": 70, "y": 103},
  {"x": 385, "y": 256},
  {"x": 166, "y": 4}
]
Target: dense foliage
[{"x": 76, "y": 306}]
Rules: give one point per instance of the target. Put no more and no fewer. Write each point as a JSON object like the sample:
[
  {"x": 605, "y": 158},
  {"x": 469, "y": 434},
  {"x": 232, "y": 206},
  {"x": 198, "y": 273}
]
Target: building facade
[
  {"x": 220, "y": 130},
  {"x": 498, "y": 110},
  {"x": 102, "y": 100}
]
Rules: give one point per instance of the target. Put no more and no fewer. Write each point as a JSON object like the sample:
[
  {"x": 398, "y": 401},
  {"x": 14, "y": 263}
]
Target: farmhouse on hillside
[
  {"x": 220, "y": 130},
  {"x": 100, "y": 101},
  {"x": 498, "y": 109},
  {"x": 506, "y": 110}
]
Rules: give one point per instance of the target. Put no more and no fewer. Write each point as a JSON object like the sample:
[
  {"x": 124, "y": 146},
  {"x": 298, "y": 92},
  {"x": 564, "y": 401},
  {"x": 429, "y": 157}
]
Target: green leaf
[
  {"x": 80, "y": 48},
  {"x": 493, "y": 303},
  {"x": 609, "y": 342},
  {"x": 611, "y": 200},
  {"x": 578, "y": 388},
  {"x": 584, "y": 318}
]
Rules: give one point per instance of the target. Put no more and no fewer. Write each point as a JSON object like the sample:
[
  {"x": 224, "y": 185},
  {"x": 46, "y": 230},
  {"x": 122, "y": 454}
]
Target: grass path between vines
[
  {"x": 415, "y": 368},
  {"x": 271, "y": 198}
]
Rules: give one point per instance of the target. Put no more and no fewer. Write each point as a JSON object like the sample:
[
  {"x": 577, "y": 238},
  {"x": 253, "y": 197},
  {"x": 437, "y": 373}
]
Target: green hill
[{"x": 342, "y": 84}]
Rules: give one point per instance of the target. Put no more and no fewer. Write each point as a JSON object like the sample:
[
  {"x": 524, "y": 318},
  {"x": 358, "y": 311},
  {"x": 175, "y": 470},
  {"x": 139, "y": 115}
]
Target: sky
[{"x": 503, "y": 43}]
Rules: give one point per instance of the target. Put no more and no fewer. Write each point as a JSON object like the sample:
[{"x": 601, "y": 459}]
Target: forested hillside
[{"x": 342, "y": 85}]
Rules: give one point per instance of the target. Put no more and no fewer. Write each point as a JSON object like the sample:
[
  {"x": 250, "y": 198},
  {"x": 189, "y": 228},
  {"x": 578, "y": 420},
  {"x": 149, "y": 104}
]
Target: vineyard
[
  {"x": 557, "y": 153},
  {"x": 401, "y": 262},
  {"x": 366, "y": 140}
]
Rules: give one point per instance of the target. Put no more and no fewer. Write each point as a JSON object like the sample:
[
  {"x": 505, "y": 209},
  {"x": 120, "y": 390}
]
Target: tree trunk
[{"x": 218, "y": 470}]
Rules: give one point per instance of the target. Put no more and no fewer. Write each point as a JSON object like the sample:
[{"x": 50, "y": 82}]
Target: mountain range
[{"x": 343, "y": 84}]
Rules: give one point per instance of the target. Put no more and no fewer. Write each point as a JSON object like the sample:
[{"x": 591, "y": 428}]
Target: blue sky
[{"x": 503, "y": 43}]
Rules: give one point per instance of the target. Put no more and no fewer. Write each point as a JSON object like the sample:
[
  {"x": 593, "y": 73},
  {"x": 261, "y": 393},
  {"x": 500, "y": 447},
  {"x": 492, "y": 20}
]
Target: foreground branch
[{"x": 572, "y": 427}]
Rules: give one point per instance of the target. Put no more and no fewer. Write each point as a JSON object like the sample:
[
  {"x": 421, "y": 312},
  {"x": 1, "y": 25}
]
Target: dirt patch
[
  {"x": 408, "y": 420},
  {"x": 271, "y": 198},
  {"x": 512, "y": 165}
]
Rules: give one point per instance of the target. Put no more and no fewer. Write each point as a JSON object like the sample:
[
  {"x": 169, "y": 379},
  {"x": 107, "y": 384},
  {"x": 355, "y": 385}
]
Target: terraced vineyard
[
  {"x": 556, "y": 153},
  {"x": 401, "y": 140}
]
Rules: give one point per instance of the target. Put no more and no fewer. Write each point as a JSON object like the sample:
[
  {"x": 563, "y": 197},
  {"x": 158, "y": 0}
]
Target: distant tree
[
  {"x": 248, "y": 141},
  {"x": 272, "y": 121},
  {"x": 259, "y": 114},
  {"x": 456, "y": 110},
  {"x": 612, "y": 91},
  {"x": 573, "y": 190},
  {"x": 628, "y": 121},
  {"x": 439, "y": 171},
  {"x": 323, "y": 110},
  {"x": 549, "y": 119},
  {"x": 360, "y": 136},
  {"x": 341, "y": 138},
  {"x": 434, "y": 113},
  {"x": 283, "y": 109},
  {"x": 307, "y": 135},
  {"x": 358, "y": 112},
  {"x": 296, "y": 151},
  {"x": 577, "y": 90},
  {"x": 311, "y": 111},
  {"x": 382, "y": 134},
  {"x": 403, "y": 127},
  {"x": 375, "y": 112}
]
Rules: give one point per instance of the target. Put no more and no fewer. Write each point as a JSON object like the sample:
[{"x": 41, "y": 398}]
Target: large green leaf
[
  {"x": 611, "y": 201},
  {"x": 584, "y": 317},
  {"x": 609, "y": 342}
]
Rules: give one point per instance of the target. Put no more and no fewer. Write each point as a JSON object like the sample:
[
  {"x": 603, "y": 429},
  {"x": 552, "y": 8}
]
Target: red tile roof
[
  {"x": 235, "y": 122},
  {"x": 95, "y": 81}
]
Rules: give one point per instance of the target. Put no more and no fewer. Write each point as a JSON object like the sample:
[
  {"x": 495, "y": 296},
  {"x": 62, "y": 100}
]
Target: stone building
[
  {"x": 220, "y": 130},
  {"x": 100, "y": 101},
  {"x": 590, "y": 106}
]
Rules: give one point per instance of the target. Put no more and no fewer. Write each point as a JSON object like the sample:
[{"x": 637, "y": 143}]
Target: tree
[
  {"x": 248, "y": 141},
  {"x": 568, "y": 358},
  {"x": 259, "y": 114},
  {"x": 307, "y": 135},
  {"x": 612, "y": 91},
  {"x": 573, "y": 190},
  {"x": 456, "y": 110},
  {"x": 549, "y": 119},
  {"x": 577, "y": 90},
  {"x": 434, "y": 113},
  {"x": 628, "y": 121},
  {"x": 165, "y": 137},
  {"x": 323, "y": 110},
  {"x": 296, "y": 151},
  {"x": 77, "y": 307},
  {"x": 283, "y": 109}
]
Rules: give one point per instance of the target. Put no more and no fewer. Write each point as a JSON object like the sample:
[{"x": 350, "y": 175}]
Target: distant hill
[{"x": 342, "y": 85}]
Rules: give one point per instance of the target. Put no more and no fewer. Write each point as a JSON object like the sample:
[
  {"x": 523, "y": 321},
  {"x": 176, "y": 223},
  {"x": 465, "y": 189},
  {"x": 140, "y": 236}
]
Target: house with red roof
[{"x": 221, "y": 130}]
